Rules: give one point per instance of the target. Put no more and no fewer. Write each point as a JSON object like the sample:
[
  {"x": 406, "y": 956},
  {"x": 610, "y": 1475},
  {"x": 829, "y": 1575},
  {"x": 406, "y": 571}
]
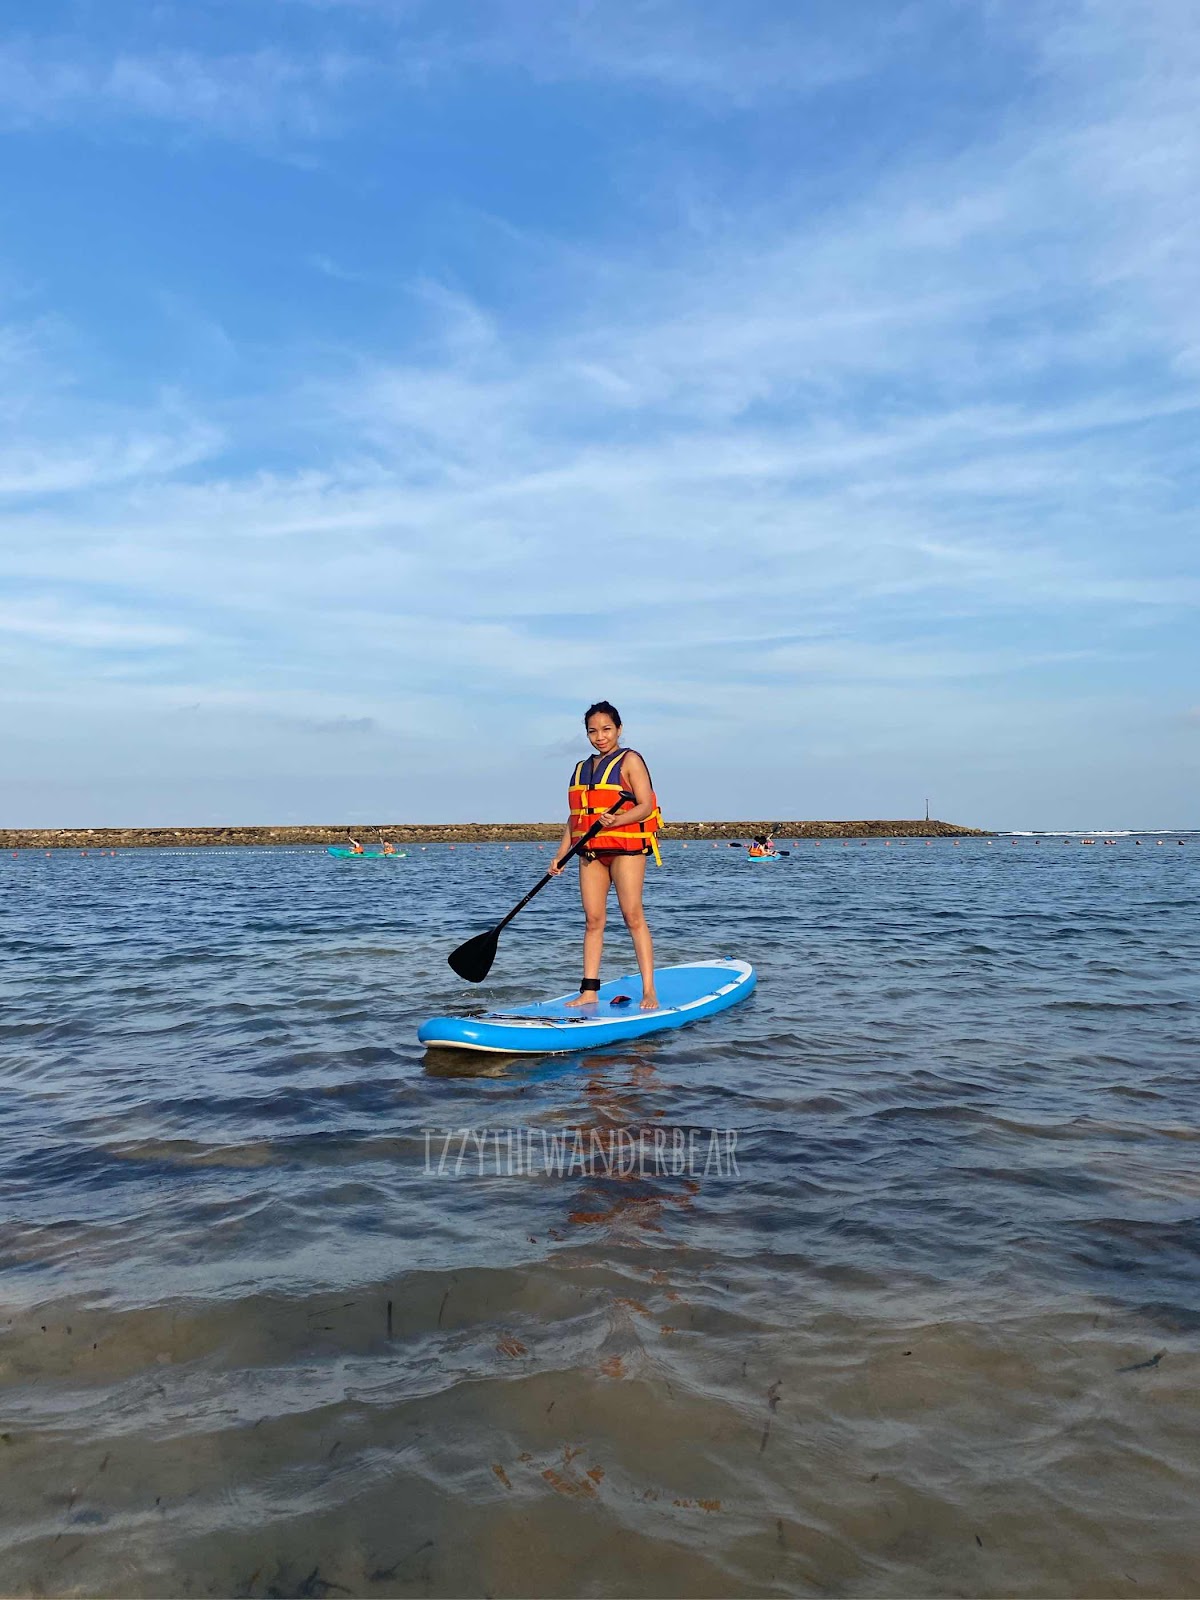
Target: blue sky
[{"x": 381, "y": 382}]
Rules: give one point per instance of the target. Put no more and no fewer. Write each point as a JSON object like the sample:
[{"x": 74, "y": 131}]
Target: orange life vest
[{"x": 591, "y": 800}]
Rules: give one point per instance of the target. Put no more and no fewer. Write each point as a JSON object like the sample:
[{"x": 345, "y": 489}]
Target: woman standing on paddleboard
[{"x": 617, "y": 854}]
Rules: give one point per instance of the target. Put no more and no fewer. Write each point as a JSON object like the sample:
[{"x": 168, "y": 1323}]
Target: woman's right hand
[{"x": 555, "y": 868}]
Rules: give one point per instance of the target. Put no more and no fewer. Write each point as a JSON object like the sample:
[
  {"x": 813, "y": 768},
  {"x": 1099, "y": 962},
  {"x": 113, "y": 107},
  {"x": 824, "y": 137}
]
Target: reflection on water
[{"x": 935, "y": 1335}]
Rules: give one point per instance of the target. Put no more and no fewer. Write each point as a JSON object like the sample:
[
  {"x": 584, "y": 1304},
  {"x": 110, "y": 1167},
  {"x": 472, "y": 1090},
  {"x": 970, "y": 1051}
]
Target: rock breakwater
[{"x": 444, "y": 833}]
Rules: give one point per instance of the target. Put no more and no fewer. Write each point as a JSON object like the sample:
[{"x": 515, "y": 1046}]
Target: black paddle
[
  {"x": 772, "y": 852},
  {"x": 473, "y": 960}
]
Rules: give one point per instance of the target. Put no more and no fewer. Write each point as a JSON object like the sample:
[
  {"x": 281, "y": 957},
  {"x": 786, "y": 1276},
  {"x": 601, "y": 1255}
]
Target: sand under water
[{"x": 931, "y": 1330}]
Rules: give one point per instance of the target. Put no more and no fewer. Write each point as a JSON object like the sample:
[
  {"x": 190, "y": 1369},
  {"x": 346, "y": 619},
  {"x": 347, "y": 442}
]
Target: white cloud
[
  {"x": 261, "y": 94},
  {"x": 679, "y": 47},
  {"x": 84, "y": 626},
  {"x": 686, "y": 48},
  {"x": 41, "y": 468}
]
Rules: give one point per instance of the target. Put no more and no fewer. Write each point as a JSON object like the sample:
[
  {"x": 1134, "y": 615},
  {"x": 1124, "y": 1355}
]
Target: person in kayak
[
  {"x": 616, "y": 856},
  {"x": 764, "y": 845},
  {"x": 356, "y": 849}
]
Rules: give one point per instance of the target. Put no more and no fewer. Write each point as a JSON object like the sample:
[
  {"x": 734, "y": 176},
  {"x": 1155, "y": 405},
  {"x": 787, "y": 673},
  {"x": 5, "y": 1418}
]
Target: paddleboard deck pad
[{"x": 548, "y": 1027}]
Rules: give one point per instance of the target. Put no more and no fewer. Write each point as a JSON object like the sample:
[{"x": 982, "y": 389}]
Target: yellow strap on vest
[
  {"x": 615, "y": 761},
  {"x": 644, "y": 834}
]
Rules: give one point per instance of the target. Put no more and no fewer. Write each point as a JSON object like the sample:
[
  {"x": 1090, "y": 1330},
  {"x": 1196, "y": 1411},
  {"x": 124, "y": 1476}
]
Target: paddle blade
[{"x": 473, "y": 960}]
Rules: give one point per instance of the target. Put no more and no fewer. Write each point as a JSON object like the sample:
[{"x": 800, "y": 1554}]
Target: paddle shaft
[{"x": 595, "y": 828}]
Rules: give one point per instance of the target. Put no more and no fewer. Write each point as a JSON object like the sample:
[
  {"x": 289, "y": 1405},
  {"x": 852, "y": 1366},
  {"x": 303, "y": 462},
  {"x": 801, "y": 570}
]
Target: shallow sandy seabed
[
  {"x": 644, "y": 1427},
  {"x": 936, "y": 1337}
]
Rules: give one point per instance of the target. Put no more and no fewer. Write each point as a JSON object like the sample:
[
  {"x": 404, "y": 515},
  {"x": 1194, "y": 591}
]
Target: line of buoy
[{"x": 208, "y": 850}]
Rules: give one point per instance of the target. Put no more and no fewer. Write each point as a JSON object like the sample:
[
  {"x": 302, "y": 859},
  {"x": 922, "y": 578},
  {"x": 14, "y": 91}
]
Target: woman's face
[{"x": 603, "y": 733}]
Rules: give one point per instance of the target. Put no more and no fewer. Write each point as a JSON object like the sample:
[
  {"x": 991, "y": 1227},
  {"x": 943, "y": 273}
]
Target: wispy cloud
[
  {"x": 679, "y": 47},
  {"x": 687, "y": 48},
  {"x": 324, "y": 84},
  {"x": 259, "y": 94},
  {"x": 44, "y": 468},
  {"x": 338, "y": 725},
  {"x": 57, "y": 622}
]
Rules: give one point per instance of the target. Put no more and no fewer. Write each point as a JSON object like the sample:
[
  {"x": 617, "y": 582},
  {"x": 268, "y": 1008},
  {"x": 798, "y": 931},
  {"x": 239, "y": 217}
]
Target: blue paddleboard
[
  {"x": 687, "y": 993},
  {"x": 762, "y": 858},
  {"x": 341, "y": 852}
]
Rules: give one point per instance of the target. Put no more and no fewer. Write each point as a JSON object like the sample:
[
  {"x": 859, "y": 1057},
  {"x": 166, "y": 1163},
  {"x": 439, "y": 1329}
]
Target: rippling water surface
[{"x": 936, "y": 1336}]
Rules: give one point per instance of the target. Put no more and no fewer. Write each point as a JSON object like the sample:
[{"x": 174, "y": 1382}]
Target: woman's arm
[{"x": 564, "y": 844}]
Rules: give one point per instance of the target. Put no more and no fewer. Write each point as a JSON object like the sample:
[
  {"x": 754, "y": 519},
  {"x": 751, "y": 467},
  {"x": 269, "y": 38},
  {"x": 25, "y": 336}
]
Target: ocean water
[{"x": 931, "y": 1329}]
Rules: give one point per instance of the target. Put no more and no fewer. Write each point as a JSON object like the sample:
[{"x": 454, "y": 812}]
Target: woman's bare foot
[
  {"x": 650, "y": 1002},
  {"x": 588, "y": 999}
]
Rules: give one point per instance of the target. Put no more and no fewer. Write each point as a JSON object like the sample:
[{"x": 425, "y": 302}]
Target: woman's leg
[
  {"x": 593, "y": 891},
  {"x": 629, "y": 873}
]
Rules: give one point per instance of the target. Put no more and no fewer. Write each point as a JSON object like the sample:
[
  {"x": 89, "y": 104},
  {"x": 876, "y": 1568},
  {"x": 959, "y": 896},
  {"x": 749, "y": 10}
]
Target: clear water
[{"x": 936, "y": 1335}]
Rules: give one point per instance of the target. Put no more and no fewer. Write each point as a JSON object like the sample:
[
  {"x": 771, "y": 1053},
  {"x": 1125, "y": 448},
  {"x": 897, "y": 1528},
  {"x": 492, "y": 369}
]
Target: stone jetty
[{"x": 446, "y": 833}]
